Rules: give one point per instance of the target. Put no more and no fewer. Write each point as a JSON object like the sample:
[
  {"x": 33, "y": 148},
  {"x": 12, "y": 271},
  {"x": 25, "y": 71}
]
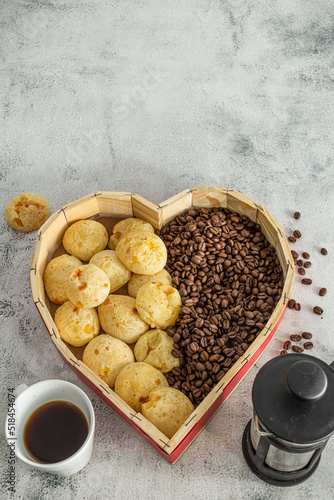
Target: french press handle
[{"x": 257, "y": 427}]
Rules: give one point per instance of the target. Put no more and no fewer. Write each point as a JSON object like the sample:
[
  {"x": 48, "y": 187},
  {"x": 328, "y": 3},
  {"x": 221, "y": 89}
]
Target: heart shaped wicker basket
[{"x": 109, "y": 207}]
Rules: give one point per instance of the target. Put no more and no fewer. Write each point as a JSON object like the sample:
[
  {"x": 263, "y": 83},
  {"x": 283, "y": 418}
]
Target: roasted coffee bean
[
  {"x": 230, "y": 280},
  {"x": 295, "y": 337},
  {"x": 301, "y": 271},
  {"x": 306, "y": 255},
  {"x": 297, "y": 234},
  {"x": 291, "y": 304},
  {"x": 308, "y": 345},
  {"x": 284, "y": 352},
  {"x": 296, "y": 215},
  {"x": 292, "y": 239},
  {"x": 197, "y": 393},
  {"x": 297, "y": 306},
  {"x": 307, "y": 281},
  {"x": 299, "y": 262},
  {"x": 294, "y": 254},
  {"x": 322, "y": 292},
  {"x": 297, "y": 348},
  {"x": 287, "y": 345},
  {"x": 307, "y": 264},
  {"x": 317, "y": 310},
  {"x": 324, "y": 251},
  {"x": 200, "y": 367},
  {"x": 307, "y": 335}
]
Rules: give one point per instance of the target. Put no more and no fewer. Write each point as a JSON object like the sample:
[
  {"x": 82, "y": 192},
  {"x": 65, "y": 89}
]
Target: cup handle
[{"x": 20, "y": 388}]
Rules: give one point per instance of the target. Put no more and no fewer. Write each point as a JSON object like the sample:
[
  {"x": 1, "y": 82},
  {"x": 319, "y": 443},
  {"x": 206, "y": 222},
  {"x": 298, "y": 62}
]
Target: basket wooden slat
[
  {"x": 209, "y": 197},
  {"x": 239, "y": 203},
  {"x": 120, "y": 205},
  {"x": 146, "y": 210},
  {"x": 174, "y": 206},
  {"x": 84, "y": 208},
  {"x": 114, "y": 204}
]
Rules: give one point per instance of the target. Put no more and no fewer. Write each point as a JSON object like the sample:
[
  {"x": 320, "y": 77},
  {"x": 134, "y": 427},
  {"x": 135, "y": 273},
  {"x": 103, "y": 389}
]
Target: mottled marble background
[{"x": 153, "y": 97}]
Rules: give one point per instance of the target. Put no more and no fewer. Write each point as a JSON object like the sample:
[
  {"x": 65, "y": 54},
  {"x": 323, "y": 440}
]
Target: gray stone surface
[{"x": 153, "y": 97}]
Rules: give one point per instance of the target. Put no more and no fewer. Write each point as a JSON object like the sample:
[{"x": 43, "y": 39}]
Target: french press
[{"x": 293, "y": 418}]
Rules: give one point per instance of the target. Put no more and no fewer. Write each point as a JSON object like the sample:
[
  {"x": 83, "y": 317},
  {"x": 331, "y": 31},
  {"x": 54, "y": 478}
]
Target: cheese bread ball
[
  {"x": 155, "y": 348},
  {"x": 158, "y": 304},
  {"x": 85, "y": 238},
  {"x": 135, "y": 382},
  {"x": 167, "y": 409},
  {"x": 138, "y": 280},
  {"x": 119, "y": 317},
  {"x": 76, "y": 325},
  {"x": 26, "y": 212},
  {"x": 116, "y": 271},
  {"x": 54, "y": 277},
  {"x": 106, "y": 357},
  {"x": 87, "y": 286},
  {"x": 126, "y": 226},
  {"x": 142, "y": 252}
]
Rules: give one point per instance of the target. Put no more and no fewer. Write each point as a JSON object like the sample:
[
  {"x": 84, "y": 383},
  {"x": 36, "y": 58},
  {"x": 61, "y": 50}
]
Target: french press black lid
[{"x": 293, "y": 400}]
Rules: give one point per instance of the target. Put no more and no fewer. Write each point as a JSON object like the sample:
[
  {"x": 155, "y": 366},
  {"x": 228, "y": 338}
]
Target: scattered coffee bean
[
  {"x": 296, "y": 215},
  {"x": 306, "y": 255},
  {"x": 295, "y": 337},
  {"x": 283, "y": 352},
  {"x": 297, "y": 306},
  {"x": 324, "y": 251},
  {"x": 291, "y": 304},
  {"x": 307, "y": 264},
  {"x": 292, "y": 239},
  {"x": 307, "y": 335},
  {"x": 297, "y": 234},
  {"x": 317, "y": 310},
  {"x": 307, "y": 281},
  {"x": 308, "y": 345},
  {"x": 294, "y": 254},
  {"x": 301, "y": 271},
  {"x": 287, "y": 345},
  {"x": 299, "y": 262},
  {"x": 297, "y": 348},
  {"x": 322, "y": 292}
]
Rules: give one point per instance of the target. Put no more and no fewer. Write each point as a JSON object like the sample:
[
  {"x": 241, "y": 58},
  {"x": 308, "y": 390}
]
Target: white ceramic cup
[{"x": 27, "y": 400}]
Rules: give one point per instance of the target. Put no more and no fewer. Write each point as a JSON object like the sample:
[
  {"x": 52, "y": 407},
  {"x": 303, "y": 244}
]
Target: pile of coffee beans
[
  {"x": 230, "y": 280},
  {"x": 303, "y": 263}
]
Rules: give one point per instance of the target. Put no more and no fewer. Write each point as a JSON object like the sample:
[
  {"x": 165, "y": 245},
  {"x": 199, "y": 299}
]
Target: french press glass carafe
[{"x": 293, "y": 418}]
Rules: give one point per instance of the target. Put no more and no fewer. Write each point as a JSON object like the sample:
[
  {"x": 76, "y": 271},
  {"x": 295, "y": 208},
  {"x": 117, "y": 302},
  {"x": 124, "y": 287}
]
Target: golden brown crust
[
  {"x": 155, "y": 348},
  {"x": 158, "y": 304},
  {"x": 26, "y": 212},
  {"x": 106, "y": 356},
  {"x": 119, "y": 317},
  {"x": 135, "y": 382},
  {"x": 117, "y": 273},
  {"x": 138, "y": 280},
  {"x": 142, "y": 252},
  {"x": 87, "y": 286},
  {"x": 76, "y": 325},
  {"x": 55, "y": 274},
  {"x": 167, "y": 409},
  {"x": 85, "y": 238},
  {"x": 123, "y": 227}
]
